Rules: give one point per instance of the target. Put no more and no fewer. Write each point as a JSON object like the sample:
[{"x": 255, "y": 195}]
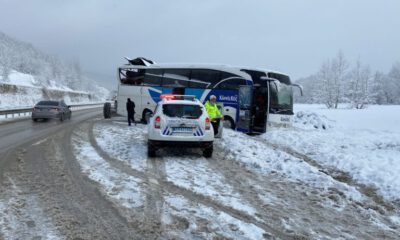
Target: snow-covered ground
[
  {"x": 191, "y": 174},
  {"x": 257, "y": 156},
  {"x": 363, "y": 143},
  {"x": 374, "y": 118},
  {"x": 17, "y": 205}
]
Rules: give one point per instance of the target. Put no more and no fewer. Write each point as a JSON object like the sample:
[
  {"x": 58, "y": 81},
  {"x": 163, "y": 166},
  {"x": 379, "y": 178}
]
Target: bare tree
[
  {"x": 394, "y": 82},
  {"x": 339, "y": 71},
  {"x": 325, "y": 90},
  {"x": 359, "y": 89},
  {"x": 331, "y": 82},
  {"x": 4, "y": 63}
]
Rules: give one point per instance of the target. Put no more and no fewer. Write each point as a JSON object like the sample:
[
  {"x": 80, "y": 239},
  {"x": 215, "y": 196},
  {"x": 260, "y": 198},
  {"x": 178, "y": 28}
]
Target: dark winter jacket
[{"x": 130, "y": 107}]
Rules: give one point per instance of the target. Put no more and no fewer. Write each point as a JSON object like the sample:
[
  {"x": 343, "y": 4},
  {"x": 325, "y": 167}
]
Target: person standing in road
[
  {"x": 214, "y": 113},
  {"x": 130, "y": 108}
]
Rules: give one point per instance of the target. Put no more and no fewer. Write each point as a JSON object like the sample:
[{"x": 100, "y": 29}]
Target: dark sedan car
[{"x": 51, "y": 109}]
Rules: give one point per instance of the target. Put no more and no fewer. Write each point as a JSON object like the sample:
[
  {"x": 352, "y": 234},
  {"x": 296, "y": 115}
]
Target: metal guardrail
[{"x": 28, "y": 111}]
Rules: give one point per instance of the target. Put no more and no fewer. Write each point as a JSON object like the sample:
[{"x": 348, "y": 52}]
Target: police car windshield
[{"x": 182, "y": 111}]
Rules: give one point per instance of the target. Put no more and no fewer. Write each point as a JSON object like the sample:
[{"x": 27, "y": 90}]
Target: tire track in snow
[
  {"x": 46, "y": 171},
  {"x": 307, "y": 202},
  {"x": 339, "y": 176},
  {"x": 73, "y": 201},
  {"x": 147, "y": 219},
  {"x": 248, "y": 186},
  {"x": 159, "y": 182},
  {"x": 154, "y": 196}
]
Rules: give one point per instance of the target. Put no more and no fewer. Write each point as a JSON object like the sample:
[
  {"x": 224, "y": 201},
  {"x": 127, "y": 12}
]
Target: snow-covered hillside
[
  {"x": 22, "y": 90},
  {"x": 28, "y": 75}
]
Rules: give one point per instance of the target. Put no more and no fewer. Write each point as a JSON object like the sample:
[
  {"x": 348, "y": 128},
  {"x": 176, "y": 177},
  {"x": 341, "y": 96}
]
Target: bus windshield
[{"x": 283, "y": 99}]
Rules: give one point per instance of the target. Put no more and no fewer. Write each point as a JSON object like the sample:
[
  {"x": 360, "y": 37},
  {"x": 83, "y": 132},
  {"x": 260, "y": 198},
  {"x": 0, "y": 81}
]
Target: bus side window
[
  {"x": 153, "y": 77},
  {"x": 231, "y": 83},
  {"x": 198, "y": 84},
  {"x": 132, "y": 76},
  {"x": 176, "y": 77},
  {"x": 208, "y": 77}
]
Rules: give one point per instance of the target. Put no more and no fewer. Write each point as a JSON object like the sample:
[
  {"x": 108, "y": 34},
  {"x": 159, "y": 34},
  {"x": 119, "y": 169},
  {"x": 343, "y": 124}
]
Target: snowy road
[{"x": 91, "y": 179}]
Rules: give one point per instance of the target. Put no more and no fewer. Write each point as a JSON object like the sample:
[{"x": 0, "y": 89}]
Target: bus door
[
  {"x": 245, "y": 112},
  {"x": 260, "y": 106}
]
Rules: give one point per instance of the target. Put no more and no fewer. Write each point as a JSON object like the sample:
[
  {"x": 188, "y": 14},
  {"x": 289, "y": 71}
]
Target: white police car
[{"x": 180, "y": 121}]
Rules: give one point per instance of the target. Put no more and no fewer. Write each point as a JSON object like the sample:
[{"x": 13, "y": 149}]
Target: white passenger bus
[{"x": 252, "y": 98}]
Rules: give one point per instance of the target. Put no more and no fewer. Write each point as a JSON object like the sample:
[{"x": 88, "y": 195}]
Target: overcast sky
[{"x": 292, "y": 36}]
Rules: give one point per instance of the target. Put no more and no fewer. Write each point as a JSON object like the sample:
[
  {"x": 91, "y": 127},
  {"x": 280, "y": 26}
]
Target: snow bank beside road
[
  {"x": 375, "y": 117},
  {"x": 310, "y": 120},
  {"x": 122, "y": 188},
  {"x": 364, "y": 143},
  {"x": 257, "y": 155}
]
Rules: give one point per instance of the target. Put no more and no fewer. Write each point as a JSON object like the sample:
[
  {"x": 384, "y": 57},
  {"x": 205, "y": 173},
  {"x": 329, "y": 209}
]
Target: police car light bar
[
  {"x": 178, "y": 97},
  {"x": 167, "y": 96}
]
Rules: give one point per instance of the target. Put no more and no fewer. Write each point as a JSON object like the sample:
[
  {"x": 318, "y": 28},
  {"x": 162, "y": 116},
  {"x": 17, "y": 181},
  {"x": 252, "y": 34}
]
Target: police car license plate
[{"x": 182, "y": 129}]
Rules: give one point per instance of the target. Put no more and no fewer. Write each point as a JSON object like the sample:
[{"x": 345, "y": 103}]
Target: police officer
[
  {"x": 213, "y": 113},
  {"x": 130, "y": 108}
]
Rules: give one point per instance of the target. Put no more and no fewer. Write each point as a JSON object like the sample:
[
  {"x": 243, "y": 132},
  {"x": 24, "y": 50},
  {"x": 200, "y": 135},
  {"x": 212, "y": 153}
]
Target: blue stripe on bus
[
  {"x": 154, "y": 94},
  {"x": 194, "y": 91}
]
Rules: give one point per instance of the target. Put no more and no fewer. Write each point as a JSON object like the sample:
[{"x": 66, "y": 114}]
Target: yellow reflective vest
[{"x": 212, "y": 110}]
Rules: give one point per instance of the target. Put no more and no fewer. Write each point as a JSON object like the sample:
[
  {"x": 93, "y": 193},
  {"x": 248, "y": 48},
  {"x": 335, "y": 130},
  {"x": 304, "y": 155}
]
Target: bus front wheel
[{"x": 228, "y": 123}]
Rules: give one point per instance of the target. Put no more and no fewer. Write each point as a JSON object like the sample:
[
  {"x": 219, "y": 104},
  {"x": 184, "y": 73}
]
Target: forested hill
[
  {"x": 339, "y": 81},
  {"x": 47, "y": 70}
]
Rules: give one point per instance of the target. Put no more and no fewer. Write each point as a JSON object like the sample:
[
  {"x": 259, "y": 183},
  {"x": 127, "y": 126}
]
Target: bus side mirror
[{"x": 299, "y": 87}]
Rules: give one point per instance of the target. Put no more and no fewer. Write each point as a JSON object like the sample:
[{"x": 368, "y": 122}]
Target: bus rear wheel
[
  {"x": 146, "y": 116},
  {"x": 107, "y": 110}
]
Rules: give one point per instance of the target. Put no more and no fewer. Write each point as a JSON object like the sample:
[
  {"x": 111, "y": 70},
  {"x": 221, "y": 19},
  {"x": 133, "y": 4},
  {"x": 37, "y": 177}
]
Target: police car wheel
[
  {"x": 207, "y": 152},
  {"x": 151, "y": 151}
]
